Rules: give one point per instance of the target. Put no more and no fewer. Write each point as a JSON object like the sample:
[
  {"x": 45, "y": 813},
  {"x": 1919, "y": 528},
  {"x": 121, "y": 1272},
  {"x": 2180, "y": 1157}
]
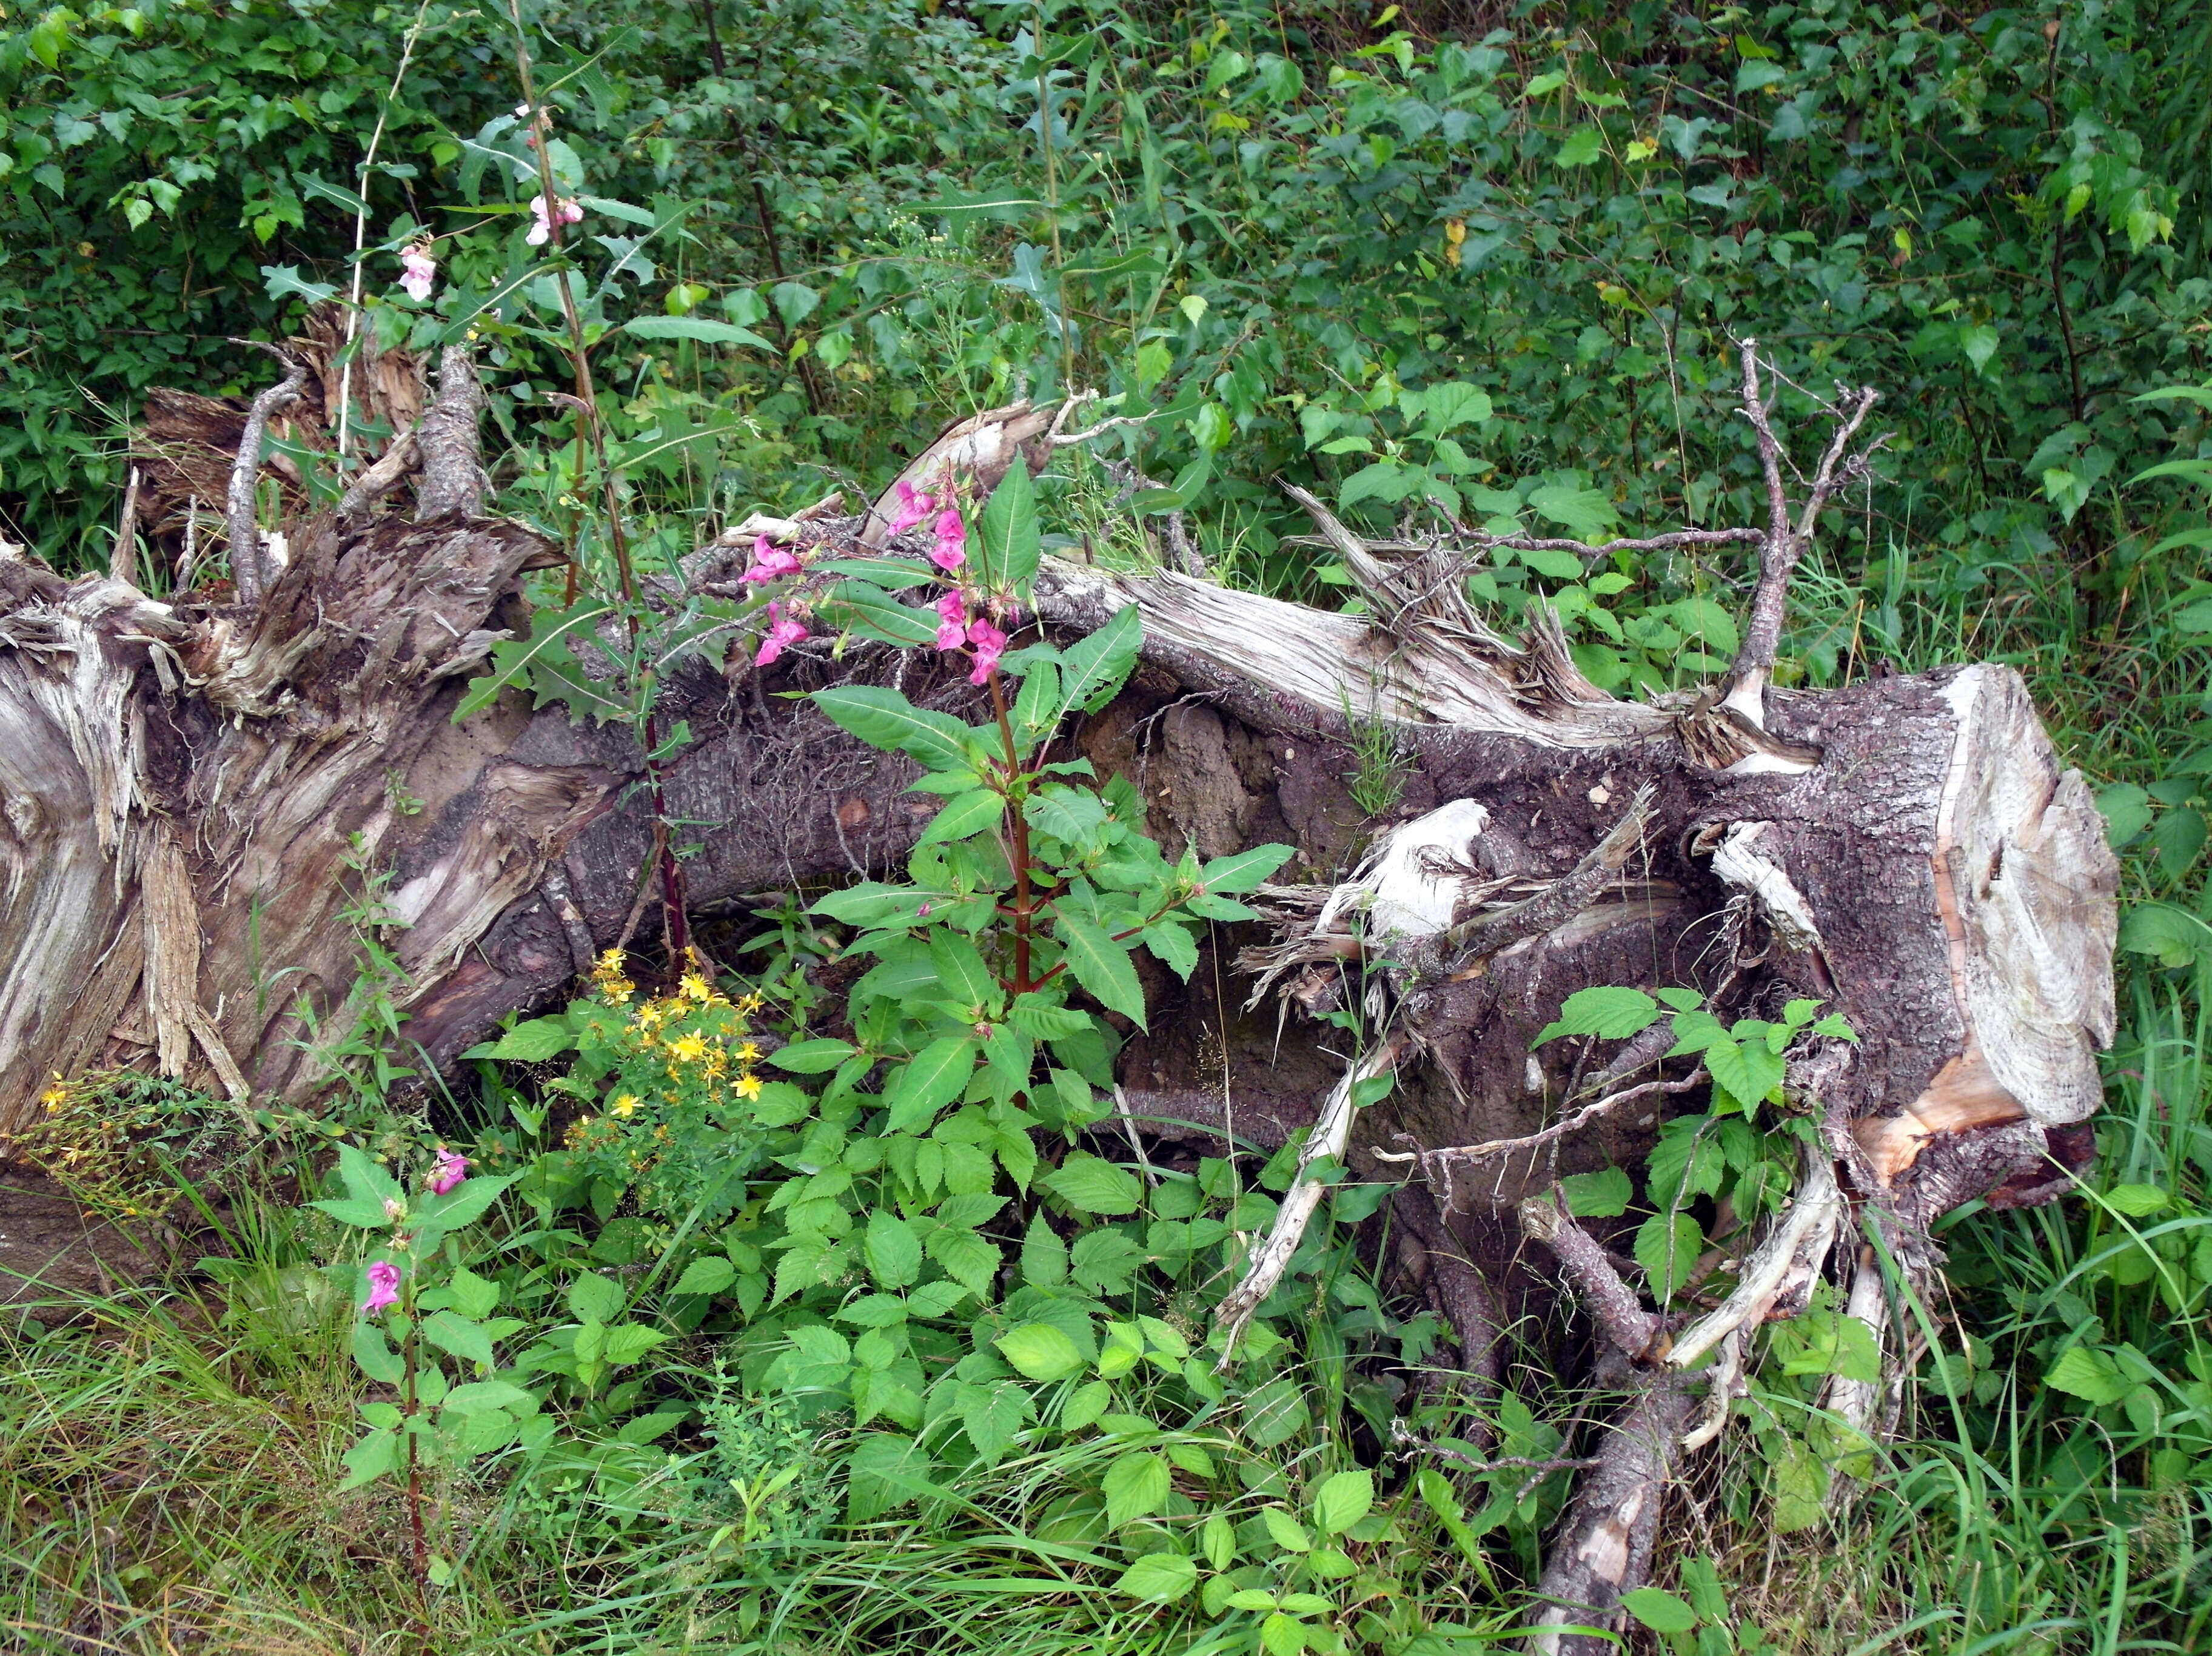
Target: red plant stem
[
  {"x": 1023, "y": 907},
  {"x": 672, "y": 900}
]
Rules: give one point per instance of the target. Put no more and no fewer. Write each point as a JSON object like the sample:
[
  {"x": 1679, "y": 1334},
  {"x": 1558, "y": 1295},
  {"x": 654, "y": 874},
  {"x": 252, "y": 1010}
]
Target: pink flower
[
  {"x": 783, "y": 630},
  {"x": 988, "y": 643},
  {"x": 563, "y": 211},
  {"x": 914, "y": 506},
  {"x": 951, "y": 549},
  {"x": 383, "y": 1286},
  {"x": 446, "y": 1175},
  {"x": 770, "y": 561},
  {"x": 417, "y": 270},
  {"x": 952, "y": 624}
]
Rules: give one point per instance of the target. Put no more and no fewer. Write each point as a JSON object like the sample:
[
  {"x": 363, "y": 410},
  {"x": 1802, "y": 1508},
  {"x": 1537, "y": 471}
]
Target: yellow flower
[
  {"x": 624, "y": 1104},
  {"x": 695, "y": 988},
  {"x": 749, "y": 1051},
  {"x": 689, "y": 1048},
  {"x": 748, "y": 1086}
]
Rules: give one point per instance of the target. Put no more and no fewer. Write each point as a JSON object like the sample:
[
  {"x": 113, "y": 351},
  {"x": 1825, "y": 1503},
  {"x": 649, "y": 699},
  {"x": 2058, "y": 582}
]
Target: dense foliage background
[{"x": 1489, "y": 257}]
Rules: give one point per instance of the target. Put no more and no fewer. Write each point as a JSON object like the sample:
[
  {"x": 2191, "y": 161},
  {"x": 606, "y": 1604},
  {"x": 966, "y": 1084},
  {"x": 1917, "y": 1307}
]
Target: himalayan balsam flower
[
  {"x": 565, "y": 211},
  {"x": 952, "y": 622},
  {"x": 783, "y": 630},
  {"x": 988, "y": 644},
  {"x": 383, "y": 1286},
  {"x": 770, "y": 561},
  {"x": 417, "y": 270},
  {"x": 445, "y": 1177},
  {"x": 914, "y": 506},
  {"x": 951, "y": 549}
]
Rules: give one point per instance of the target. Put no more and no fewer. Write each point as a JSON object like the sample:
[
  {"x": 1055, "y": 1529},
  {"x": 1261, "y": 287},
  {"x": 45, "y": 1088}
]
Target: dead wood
[{"x": 206, "y": 803}]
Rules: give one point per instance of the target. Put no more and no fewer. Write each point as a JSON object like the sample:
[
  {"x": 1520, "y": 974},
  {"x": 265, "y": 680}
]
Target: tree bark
[{"x": 210, "y": 811}]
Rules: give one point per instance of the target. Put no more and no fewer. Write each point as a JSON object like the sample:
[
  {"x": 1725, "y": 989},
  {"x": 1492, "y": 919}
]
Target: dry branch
[{"x": 247, "y": 569}]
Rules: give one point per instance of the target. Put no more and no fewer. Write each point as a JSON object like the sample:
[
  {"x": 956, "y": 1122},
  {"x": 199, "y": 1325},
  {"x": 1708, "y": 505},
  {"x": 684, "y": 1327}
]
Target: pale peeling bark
[{"x": 201, "y": 805}]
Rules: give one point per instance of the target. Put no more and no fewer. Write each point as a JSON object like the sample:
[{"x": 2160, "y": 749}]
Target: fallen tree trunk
[{"x": 214, "y": 809}]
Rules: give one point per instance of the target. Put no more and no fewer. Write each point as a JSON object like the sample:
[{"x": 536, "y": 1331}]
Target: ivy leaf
[
  {"x": 1101, "y": 966},
  {"x": 1159, "y": 1579},
  {"x": 1610, "y": 1014},
  {"x": 1091, "y": 1185}
]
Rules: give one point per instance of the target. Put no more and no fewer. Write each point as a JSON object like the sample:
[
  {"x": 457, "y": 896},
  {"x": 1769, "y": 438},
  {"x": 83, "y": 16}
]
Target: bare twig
[
  {"x": 1331, "y": 1131},
  {"x": 379, "y": 480},
  {"x": 1785, "y": 541},
  {"x": 1620, "y": 1315},
  {"x": 1487, "y": 934},
  {"x": 246, "y": 472},
  {"x": 123, "y": 561},
  {"x": 1477, "y": 540},
  {"x": 1809, "y": 1230},
  {"x": 1558, "y": 1130}
]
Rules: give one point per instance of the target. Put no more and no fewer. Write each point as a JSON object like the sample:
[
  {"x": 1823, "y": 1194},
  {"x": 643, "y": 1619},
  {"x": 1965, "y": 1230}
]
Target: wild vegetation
[{"x": 672, "y": 1322}]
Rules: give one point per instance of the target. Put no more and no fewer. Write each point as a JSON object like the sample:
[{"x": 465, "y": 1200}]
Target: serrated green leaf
[
  {"x": 812, "y": 1058},
  {"x": 862, "y": 607},
  {"x": 1601, "y": 1195},
  {"x": 2084, "y": 1372},
  {"x": 885, "y": 718},
  {"x": 1172, "y": 946},
  {"x": 1668, "y": 1246},
  {"x": 1159, "y": 1579},
  {"x": 1136, "y": 1486},
  {"x": 697, "y": 328},
  {"x": 991, "y": 1413},
  {"x": 1007, "y": 533},
  {"x": 459, "y": 1335},
  {"x": 1244, "y": 871},
  {"x": 1342, "y": 1500},
  {"x": 894, "y": 1251},
  {"x": 709, "y": 1274},
  {"x": 928, "y": 1081},
  {"x": 1101, "y": 966},
  {"x": 970, "y": 813},
  {"x": 1092, "y": 1186},
  {"x": 1094, "y": 669},
  {"x": 1039, "y": 1351},
  {"x": 370, "y": 1459},
  {"x": 1610, "y": 1013}
]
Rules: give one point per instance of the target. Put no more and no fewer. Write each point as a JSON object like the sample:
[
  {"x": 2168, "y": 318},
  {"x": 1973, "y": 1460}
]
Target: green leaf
[
  {"x": 1044, "y": 1256},
  {"x": 1601, "y": 1195},
  {"x": 473, "y": 1295},
  {"x": 1342, "y": 1500},
  {"x": 1748, "y": 1070},
  {"x": 1610, "y": 1014},
  {"x": 694, "y": 327},
  {"x": 894, "y": 1251},
  {"x": 1092, "y": 1186},
  {"x": 710, "y": 1274},
  {"x": 1172, "y": 946},
  {"x": 373, "y": 1355},
  {"x": 1101, "y": 966},
  {"x": 2136, "y": 1200},
  {"x": 991, "y": 1413},
  {"x": 1085, "y": 1405},
  {"x": 460, "y": 1336},
  {"x": 1043, "y": 1018},
  {"x": 1159, "y": 1579},
  {"x": 968, "y": 981},
  {"x": 970, "y": 813},
  {"x": 860, "y": 607},
  {"x": 1276, "y": 1412},
  {"x": 812, "y": 1058},
  {"x": 1668, "y": 1246},
  {"x": 1093, "y": 670},
  {"x": 1288, "y": 1533},
  {"x": 366, "y": 1179},
  {"x": 370, "y": 1459},
  {"x": 928, "y": 1081},
  {"x": 968, "y": 1259},
  {"x": 1136, "y": 1487},
  {"x": 595, "y": 1299},
  {"x": 1244, "y": 871},
  {"x": 1007, "y": 533},
  {"x": 1583, "y": 145},
  {"x": 886, "y": 720},
  {"x": 1039, "y": 1351},
  {"x": 2090, "y": 1375},
  {"x": 532, "y": 1042},
  {"x": 481, "y": 1396},
  {"x": 1659, "y": 1609}
]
